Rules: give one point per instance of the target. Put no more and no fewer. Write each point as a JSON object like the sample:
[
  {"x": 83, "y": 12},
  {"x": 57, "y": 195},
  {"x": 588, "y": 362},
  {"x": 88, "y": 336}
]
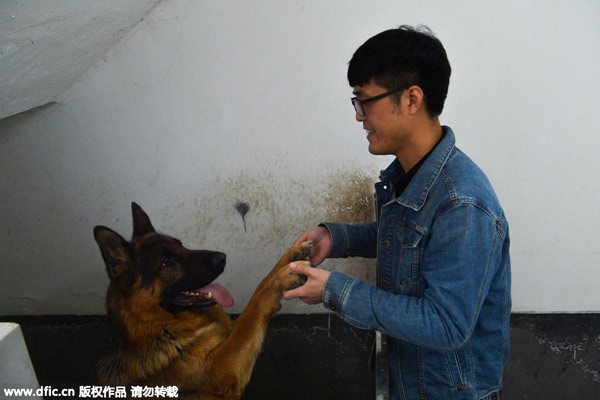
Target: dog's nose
[{"x": 219, "y": 260}]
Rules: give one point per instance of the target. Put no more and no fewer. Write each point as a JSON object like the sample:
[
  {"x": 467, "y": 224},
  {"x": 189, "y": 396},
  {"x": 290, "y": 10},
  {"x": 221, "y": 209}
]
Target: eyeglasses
[{"x": 358, "y": 104}]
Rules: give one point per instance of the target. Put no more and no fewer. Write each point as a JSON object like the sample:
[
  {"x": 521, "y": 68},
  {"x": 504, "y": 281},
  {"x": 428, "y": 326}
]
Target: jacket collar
[{"x": 415, "y": 194}]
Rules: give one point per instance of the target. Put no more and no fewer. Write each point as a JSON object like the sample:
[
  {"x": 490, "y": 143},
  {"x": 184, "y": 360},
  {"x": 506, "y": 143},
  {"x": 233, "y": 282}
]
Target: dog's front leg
[{"x": 232, "y": 362}]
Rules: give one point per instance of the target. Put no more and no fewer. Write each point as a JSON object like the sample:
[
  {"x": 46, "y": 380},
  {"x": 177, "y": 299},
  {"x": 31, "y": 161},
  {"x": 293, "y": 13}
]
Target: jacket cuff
[
  {"x": 336, "y": 292},
  {"x": 340, "y": 239}
]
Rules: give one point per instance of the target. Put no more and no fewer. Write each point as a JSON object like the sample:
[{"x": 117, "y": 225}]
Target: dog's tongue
[{"x": 220, "y": 294}]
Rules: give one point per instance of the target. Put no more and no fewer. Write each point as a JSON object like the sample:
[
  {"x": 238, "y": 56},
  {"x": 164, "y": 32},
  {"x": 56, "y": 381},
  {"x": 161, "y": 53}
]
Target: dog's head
[{"x": 177, "y": 278}]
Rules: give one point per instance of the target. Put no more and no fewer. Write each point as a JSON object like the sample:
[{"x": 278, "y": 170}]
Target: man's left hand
[{"x": 312, "y": 291}]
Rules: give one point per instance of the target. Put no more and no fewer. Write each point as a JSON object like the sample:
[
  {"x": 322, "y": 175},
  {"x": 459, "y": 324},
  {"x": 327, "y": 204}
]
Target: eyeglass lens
[{"x": 358, "y": 107}]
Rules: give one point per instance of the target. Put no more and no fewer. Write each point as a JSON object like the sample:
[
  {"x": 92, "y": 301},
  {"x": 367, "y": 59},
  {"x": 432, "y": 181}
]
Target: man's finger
[
  {"x": 302, "y": 267},
  {"x": 291, "y": 294}
]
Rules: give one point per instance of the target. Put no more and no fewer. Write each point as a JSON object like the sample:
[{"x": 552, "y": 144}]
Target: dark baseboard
[{"x": 553, "y": 356}]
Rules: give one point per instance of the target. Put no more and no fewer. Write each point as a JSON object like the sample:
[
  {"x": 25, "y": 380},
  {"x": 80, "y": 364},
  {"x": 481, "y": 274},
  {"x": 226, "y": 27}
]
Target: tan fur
[{"x": 202, "y": 351}]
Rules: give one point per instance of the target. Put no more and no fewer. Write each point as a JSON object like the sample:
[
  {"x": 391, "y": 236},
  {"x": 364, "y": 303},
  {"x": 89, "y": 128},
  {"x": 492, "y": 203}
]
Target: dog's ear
[
  {"x": 141, "y": 221},
  {"x": 115, "y": 252}
]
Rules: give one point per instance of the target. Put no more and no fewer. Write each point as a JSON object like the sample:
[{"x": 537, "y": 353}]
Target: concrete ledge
[{"x": 16, "y": 371}]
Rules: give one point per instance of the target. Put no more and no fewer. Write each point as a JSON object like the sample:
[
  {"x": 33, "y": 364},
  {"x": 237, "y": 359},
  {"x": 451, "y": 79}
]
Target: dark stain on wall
[
  {"x": 242, "y": 207},
  {"x": 348, "y": 197},
  {"x": 277, "y": 208}
]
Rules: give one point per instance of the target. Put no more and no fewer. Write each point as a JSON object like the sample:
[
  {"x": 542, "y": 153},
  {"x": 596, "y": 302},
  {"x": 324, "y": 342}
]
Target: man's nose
[{"x": 360, "y": 118}]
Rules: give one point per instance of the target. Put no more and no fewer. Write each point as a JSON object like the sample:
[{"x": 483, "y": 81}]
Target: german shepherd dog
[{"x": 167, "y": 319}]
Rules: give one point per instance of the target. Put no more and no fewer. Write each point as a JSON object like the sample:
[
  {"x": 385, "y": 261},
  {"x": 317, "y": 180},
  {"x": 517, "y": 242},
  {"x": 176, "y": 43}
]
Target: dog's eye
[{"x": 168, "y": 260}]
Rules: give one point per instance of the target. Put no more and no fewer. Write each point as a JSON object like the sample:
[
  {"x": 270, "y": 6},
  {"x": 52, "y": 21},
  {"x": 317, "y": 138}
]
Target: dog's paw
[
  {"x": 300, "y": 252},
  {"x": 306, "y": 250},
  {"x": 287, "y": 279}
]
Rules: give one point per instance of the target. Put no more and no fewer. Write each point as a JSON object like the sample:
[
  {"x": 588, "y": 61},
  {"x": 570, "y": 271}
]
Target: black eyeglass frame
[{"x": 358, "y": 104}]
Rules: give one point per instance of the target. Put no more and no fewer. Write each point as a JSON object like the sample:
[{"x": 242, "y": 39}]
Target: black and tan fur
[{"x": 197, "y": 347}]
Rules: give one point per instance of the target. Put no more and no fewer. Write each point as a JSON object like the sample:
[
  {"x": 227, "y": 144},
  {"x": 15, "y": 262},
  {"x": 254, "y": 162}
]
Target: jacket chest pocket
[{"x": 408, "y": 254}]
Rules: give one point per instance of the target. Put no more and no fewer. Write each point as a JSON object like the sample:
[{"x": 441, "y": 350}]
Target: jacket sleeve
[
  {"x": 352, "y": 240},
  {"x": 458, "y": 265}
]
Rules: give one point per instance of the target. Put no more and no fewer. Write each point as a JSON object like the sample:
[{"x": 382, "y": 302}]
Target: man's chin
[{"x": 376, "y": 151}]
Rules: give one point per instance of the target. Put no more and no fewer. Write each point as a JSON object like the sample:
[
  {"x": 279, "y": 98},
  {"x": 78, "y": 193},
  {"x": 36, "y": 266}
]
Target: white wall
[
  {"x": 36, "y": 38},
  {"x": 208, "y": 103}
]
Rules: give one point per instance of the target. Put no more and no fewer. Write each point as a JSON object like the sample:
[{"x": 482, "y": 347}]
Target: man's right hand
[{"x": 322, "y": 243}]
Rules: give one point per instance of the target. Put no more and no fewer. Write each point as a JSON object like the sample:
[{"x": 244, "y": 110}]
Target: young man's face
[{"x": 384, "y": 121}]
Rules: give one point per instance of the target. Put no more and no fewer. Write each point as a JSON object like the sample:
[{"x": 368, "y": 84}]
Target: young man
[{"x": 440, "y": 236}]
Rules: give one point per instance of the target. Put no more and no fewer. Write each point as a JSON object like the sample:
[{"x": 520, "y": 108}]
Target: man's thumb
[{"x": 301, "y": 267}]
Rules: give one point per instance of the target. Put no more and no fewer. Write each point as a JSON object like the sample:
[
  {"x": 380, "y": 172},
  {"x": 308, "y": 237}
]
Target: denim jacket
[{"x": 443, "y": 279}]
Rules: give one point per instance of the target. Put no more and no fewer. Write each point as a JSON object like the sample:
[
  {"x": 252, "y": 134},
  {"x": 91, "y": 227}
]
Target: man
[{"x": 440, "y": 236}]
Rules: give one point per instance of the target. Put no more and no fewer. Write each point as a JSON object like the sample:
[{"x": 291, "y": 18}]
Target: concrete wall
[{"x": 205, "y": 104}]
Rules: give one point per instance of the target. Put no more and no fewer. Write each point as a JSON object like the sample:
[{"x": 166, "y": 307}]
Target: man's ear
[
  {"x": 115, "y": 252},
  {"x": 416, "y": 99},
  {"x": 141, "y": 221}
]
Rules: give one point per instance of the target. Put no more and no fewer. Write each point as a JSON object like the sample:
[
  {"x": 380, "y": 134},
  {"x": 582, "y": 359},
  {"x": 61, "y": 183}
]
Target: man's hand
[
  {"x": 312, "y": 291},
  {"x": 321, "y": 239}
]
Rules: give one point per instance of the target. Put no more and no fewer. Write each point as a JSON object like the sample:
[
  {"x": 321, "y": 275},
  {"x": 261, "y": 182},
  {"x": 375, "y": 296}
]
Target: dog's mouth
[{"x": 206, "y": 296}]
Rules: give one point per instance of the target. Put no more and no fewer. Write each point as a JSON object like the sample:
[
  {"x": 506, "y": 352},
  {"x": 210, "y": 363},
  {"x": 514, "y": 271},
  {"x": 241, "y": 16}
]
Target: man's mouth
[{"x": 370, "y": 133}]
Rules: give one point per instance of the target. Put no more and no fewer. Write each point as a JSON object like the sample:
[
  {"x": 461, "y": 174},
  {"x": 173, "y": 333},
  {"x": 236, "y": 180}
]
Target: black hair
[{"x": 404, "y": 56}]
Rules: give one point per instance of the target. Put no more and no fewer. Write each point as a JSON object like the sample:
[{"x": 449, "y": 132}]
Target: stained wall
[{"x": 207, "y": 104}]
